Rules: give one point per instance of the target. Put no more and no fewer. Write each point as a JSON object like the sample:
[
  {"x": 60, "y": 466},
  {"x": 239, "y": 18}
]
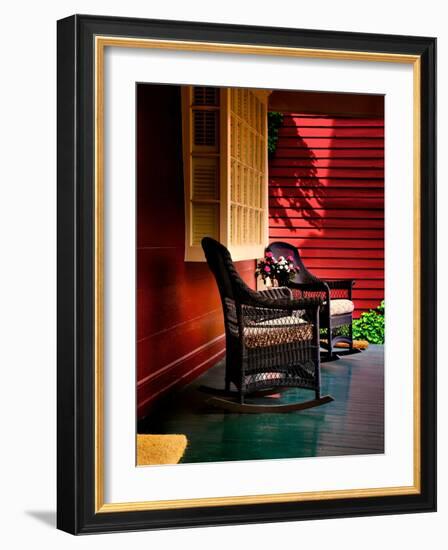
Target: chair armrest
[
  {"x": 312, "y": 290},
  {"x": 262, "y": 299},
  {"x": 340, "y": 283},
  {"x": 259, "y": 299},
  {"x": 318, "y": 286},
  {"x": 277, "y": 292}
]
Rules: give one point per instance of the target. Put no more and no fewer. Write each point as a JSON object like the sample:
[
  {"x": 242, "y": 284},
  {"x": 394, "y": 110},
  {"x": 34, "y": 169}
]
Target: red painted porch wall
[
  {"x": 327, "y": 198},
  {"x": 179, "y": 319}
]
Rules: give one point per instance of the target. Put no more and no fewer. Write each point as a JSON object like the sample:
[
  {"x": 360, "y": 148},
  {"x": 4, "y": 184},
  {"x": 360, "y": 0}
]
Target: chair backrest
[
  {"x": 220, "y": 261},
  {"x": 279, "y": 248}
]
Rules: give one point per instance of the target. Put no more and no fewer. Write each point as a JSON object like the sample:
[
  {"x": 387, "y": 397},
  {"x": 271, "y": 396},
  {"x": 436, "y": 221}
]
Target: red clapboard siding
[
  {"x": 357, "y": 203},
  {"x": 326, "y": 196},
  {"x": 332, "y": 233},
  {"x": 323, "y": 186},
  {"x": 348, "y": 223},
  {"x": 341, "y": 263},
  {"x": 320, "y": 132},
  {"x": 327, "y": 253},
  {"x": 317, "y": 242},
  {"x": 322, "y": 162},
  {"x": 343, "y": 173},
  {"x": 318, "y": 192},
  {"x": 304, "y": 121},
  {"x": 317, "y": 213},
  {"x": 331, "y": 153},
  {"x": 332, "y": 143}
]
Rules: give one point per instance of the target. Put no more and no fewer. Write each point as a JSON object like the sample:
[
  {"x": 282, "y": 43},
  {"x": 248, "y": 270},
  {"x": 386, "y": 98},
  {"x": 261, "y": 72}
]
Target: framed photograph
[{"x": 246, "y": 274}]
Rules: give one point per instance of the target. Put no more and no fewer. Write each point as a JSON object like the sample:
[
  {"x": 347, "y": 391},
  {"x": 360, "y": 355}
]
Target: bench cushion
[{"x": 341, "y": 307}]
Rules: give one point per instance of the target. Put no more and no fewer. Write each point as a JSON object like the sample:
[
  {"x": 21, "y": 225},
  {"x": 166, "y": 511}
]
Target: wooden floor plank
[{"x": 352, "y": 424}]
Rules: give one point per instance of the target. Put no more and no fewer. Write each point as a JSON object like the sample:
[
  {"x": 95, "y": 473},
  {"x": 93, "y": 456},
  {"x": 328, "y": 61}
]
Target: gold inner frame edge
[{"x": 101, "y": 42}]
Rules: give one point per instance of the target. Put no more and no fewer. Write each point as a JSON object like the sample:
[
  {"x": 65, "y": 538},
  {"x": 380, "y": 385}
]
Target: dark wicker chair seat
[
  {"x": 277, "y": 332},
  {"x": 272, "y": 340}
]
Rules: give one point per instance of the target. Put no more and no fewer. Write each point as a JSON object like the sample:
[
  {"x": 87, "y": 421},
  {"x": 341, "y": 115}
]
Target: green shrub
[
  {"x": 370, "y": 326},
  {"x": 274, "y": 122}
]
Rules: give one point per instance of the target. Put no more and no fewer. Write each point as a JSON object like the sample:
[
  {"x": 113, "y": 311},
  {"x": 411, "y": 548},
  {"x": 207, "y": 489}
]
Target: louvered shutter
[
  {"x": 201, "y": 147},
  {"x": 225, "y": 167}
]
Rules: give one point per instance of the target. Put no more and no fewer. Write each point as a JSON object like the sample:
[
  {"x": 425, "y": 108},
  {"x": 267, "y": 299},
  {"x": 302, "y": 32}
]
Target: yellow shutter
[
  {"x": 200, "y": 108},
  {"x": 225, "y": 168}
]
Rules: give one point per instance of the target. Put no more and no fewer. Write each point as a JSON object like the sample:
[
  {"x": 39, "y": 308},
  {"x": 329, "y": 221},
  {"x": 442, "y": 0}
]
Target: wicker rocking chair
[
  {"x": 336, "y": 294},
  {"x": 272, "y": 341}
]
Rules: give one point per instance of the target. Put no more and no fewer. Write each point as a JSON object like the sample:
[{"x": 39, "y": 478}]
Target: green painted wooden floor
[{"x": 352, "y": 424}]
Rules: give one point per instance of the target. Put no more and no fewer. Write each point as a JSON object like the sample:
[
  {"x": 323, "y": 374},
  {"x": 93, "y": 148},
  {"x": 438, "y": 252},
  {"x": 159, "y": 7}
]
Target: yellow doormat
[{"x": 160, "y": 449}]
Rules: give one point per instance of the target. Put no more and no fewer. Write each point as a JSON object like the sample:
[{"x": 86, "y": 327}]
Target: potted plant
[{"x": 276, "y": 271}]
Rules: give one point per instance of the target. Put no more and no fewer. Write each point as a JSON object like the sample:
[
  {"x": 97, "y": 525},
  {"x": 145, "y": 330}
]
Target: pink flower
[
  {"x": 267, "y": 269},
  {"x": 290, "y": 259},
  {"x": 269, "y": 255}
]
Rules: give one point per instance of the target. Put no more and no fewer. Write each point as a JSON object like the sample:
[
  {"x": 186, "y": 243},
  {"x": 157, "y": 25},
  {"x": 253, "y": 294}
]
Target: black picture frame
[{"x": 76, "y": 512}]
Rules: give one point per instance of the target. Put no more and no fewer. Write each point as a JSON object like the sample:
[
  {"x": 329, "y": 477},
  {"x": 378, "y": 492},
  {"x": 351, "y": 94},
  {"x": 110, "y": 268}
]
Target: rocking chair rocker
[
  {"x": 336, "y": 294},
  {"x": 272, "y": 341}
]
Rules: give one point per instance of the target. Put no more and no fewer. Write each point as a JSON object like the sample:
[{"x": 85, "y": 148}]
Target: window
[{"x": 225, "y": 169}]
